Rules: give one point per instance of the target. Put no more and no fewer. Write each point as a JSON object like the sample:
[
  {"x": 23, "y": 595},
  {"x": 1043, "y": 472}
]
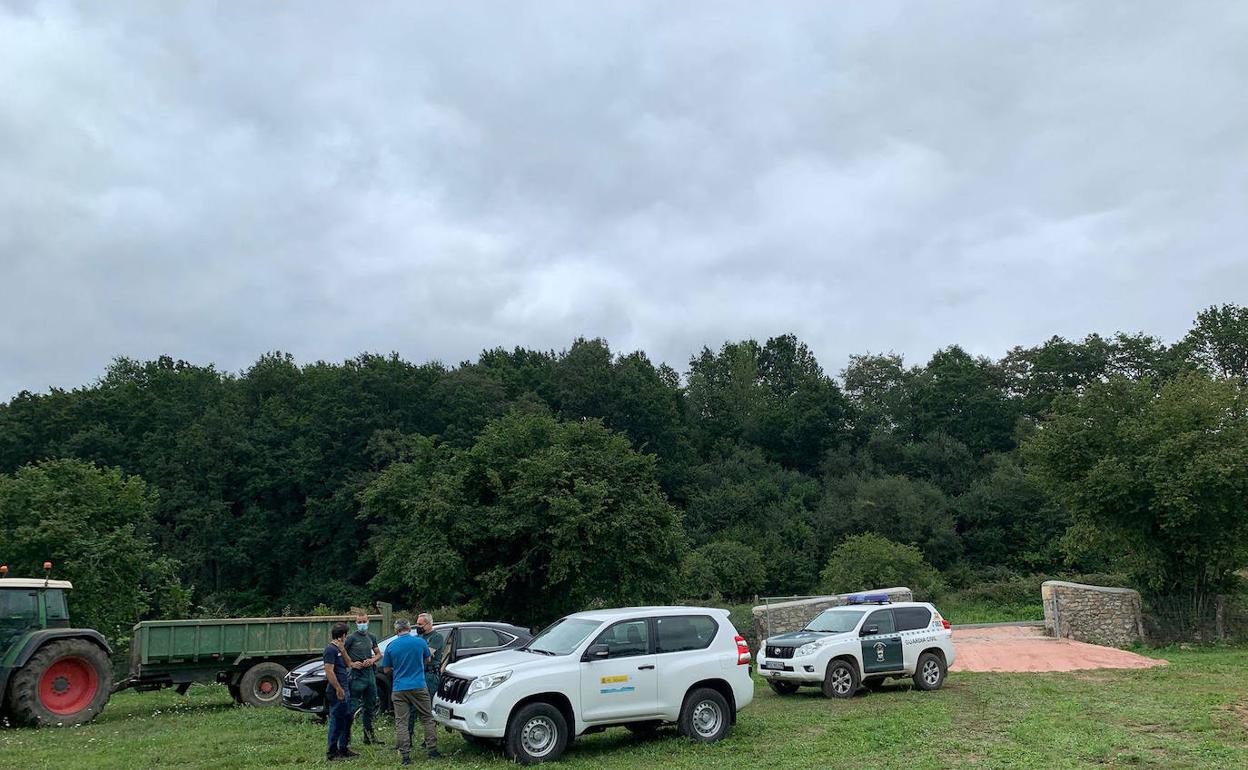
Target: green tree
[
  {"x": 868, "y": 561},
  {"x": 1218, "y": 342},
  {"x": 724, "y": 568},
  {"x": 1007, "y": 519},
  {"x": 1153, "y": 477},
  {"x": 95, "y": 527},
  {"x": 744, "y": 497},
  {"x": 966, "y": 398},
  {"x": 537, "y": 519},
  {"x": 774, "y": 396},
  {"x": 901, "y": 509}
]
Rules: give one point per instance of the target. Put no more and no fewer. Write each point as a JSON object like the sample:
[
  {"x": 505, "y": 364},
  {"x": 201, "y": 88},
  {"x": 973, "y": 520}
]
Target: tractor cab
[
  {"x": 50, "y": 673},
  {"x": 27, "y": 604}
]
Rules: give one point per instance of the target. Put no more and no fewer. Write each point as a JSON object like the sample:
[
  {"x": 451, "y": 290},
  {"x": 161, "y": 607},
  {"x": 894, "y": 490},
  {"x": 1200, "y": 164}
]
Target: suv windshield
[
  {"x": 562, "y": 636},
  {"x": 835, "y": 621}
]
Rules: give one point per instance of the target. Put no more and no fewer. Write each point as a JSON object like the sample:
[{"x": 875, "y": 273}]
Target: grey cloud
[{"x": 216, "y": 181}]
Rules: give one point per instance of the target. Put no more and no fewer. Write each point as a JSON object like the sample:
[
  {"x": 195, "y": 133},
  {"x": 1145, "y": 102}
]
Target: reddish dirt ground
[{"x": 1027, "y": 649}]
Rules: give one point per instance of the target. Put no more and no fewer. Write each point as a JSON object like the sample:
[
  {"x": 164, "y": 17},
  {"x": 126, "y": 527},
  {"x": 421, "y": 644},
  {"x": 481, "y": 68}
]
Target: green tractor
[{"x": 50, "y": 674}]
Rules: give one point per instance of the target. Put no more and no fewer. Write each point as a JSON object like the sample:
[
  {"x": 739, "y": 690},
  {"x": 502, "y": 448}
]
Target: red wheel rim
[
  {"x": 266, "y": 687},
  {"x": 68, "y": 686}
]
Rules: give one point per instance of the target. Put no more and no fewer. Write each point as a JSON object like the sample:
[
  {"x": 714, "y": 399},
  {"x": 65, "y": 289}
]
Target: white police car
[{"x": 865, "y": 642}]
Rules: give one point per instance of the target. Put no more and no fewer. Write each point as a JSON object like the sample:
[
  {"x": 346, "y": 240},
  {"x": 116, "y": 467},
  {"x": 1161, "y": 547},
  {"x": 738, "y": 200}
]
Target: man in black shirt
[
  {"x": 336, "y": 705},
  {"x": 361, "y": 648}
]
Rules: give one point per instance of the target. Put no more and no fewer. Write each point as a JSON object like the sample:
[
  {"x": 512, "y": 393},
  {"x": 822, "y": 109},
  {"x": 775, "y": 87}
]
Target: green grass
[
  {"x": 1190, "y": 714},
  {"x": 961, "y": 611}
]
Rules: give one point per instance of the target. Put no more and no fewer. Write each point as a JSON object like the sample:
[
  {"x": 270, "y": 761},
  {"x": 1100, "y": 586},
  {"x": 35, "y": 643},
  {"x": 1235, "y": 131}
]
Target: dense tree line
[{"x": 531, "y": 482}]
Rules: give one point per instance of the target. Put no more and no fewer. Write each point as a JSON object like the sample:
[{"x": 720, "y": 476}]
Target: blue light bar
[{"x": 867, "y": 599}]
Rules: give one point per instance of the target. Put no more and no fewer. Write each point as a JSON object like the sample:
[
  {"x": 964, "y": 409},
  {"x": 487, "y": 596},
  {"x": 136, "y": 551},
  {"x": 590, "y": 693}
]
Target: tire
[
  {"x": 840, "y": 680},
  {"x": 705, "y": 716},
  {"x": 929, "y": 672},
  {"x": 536, "y": 733},
  {"x": 783, "y": 688},
  {"x": 66, "y": 682},
  {"x": 262, "y": 685}
]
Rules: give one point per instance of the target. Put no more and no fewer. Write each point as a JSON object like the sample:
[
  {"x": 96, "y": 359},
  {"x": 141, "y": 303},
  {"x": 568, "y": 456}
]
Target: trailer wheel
[
  {"x": 65, "y": 682},
  {"x": 262, "y": 684}
]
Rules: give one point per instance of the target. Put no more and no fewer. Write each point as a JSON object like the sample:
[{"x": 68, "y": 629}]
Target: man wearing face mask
[
  {"x": 361, "y": 647},
  {"x": 433, "y": 666}
]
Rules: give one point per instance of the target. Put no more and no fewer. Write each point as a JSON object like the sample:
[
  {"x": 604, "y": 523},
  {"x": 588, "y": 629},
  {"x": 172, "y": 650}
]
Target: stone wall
[
  {"x": 781, "y": 617},
  {"x": 1095, "y": 614}
]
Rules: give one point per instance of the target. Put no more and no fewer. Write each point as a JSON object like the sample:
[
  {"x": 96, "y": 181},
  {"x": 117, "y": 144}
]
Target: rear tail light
[
  {"x": 942, "y": 620},
  {"x": 743, "y": 652}
]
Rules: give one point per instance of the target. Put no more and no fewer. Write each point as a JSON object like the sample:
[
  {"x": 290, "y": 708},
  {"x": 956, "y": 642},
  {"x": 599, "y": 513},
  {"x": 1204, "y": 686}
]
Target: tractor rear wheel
[
  {"x": 262, "y": 684},
  {"x": 66, "y": 682}
]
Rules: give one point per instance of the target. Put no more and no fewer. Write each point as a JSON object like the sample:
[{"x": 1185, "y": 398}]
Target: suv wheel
[
  {"x": 841, "y": 680},
  {"x": 536, "y": 733},
  {"x": 929, "y": 673},
  {"x": 705, "y": 717},
  {"x": 783, "y": 688}
]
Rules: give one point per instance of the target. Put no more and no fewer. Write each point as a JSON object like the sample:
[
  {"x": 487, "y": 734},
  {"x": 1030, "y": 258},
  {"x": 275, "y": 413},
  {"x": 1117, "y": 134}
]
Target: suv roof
[
  {"x": 880, "y": 606},
  {"x": 624, "y": 612}
]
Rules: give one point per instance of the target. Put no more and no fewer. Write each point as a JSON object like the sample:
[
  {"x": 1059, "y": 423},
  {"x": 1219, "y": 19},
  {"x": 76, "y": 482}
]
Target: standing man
[
  {"x": 336, "y": 696},
  {"x": 433, "y": 666},
  {"x": 405, "y": 659},
  {"x": 361, "y": 648}
]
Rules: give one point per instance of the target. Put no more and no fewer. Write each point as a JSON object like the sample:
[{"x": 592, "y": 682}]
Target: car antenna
[{"x": 47, "y": 573}]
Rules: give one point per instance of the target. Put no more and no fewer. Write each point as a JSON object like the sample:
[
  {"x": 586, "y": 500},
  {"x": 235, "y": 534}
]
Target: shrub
[
  {"x": 724, "y": 568},
  {"x": 870, "y": 561}
]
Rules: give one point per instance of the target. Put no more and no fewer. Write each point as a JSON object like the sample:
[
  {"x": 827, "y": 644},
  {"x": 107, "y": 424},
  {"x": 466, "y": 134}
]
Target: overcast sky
[{"x": 213, "y": 181}]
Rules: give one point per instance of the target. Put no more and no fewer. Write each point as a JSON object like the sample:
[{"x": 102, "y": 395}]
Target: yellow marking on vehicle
[{"x": 614, "y": 679}]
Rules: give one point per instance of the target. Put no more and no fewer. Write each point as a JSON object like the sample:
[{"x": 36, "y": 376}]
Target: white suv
[
  {"x": 865, "y": 642},
  {"x": 638, "y": 667}
]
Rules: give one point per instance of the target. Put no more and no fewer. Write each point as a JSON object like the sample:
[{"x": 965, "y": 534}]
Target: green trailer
[{"x": 249, "y": 655}]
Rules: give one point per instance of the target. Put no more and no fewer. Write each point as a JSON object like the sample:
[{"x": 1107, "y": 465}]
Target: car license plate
[
  {"x": 287, "y": 692},
  {"x": 442, "y": 711},
  {"x": 773, "y": 664}
]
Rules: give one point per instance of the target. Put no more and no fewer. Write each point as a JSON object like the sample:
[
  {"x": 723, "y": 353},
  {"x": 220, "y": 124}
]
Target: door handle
[{"x": 646, "y": 668}]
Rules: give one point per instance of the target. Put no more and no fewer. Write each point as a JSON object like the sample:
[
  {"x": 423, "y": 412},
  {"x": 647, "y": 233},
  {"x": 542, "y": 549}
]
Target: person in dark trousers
[
  {"x": 405, "y": 660},
  {"x": 433, "y": 666},
  {"x": 361, "y": 648},
  {"x": 337, "y": 704}
]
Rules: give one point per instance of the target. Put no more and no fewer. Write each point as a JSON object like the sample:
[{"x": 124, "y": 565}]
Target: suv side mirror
[
  {"x": 597, "y": 652},
  {"x": 870, "y": 630}
]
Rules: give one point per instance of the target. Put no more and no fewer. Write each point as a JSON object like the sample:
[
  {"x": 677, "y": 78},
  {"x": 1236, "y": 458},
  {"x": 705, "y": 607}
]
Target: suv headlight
[{"x": 483, "y": 683}]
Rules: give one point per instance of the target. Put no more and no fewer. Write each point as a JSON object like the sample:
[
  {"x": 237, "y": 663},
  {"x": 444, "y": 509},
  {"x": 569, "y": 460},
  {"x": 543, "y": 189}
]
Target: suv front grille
[
  {"x": 780, "y": 652},
  {"x": 453, "y": 688}
]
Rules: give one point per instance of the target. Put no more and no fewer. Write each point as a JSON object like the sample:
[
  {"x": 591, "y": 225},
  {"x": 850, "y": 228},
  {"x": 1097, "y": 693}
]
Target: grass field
[{"x": 1190, "y": 714}]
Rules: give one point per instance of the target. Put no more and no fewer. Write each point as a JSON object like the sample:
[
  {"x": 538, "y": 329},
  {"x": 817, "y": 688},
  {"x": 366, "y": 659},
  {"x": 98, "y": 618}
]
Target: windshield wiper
[{"x": 543, "y": 652}]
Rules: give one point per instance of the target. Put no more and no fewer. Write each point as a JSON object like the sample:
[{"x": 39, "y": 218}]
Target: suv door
[
  {"x": 881, "y": 644},
  {"x": 682, "y": 644},
  {"x": 624, "y": 685},
  {"x": 912, "y": 625}
]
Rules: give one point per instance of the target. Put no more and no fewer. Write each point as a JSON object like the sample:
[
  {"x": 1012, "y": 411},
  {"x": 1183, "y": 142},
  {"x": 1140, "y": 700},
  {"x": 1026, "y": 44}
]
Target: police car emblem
[{"x": 879, "y": 652}]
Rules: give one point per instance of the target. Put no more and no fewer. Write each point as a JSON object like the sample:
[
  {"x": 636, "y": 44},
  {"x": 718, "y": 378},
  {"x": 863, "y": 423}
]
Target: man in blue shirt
[
  {"x": 404, "y": 659},
  {"x": 336, "y": 705}
]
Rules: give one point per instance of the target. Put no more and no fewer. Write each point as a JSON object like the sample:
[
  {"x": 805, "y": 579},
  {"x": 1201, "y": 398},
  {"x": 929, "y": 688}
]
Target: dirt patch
[
  {"x": 1241, "y": 711},
  {"x": 1026, "y": 649}
]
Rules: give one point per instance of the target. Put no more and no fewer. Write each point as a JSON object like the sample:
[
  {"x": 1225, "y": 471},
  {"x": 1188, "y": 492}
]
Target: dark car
[{"x": 304, "y": 687}]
